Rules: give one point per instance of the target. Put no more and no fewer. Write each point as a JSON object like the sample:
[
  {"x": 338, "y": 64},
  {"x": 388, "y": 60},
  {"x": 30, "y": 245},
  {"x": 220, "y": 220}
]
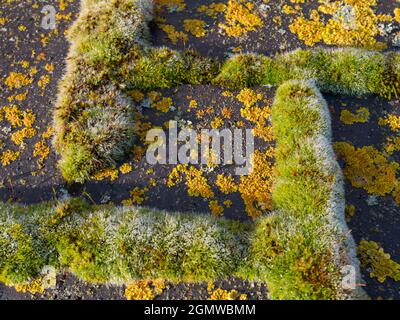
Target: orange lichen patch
[
  {"x": 138, "y": 153},
  {"x": 392, "y": 121},
  {"x": 32, "y": 287},
  {"x": 226, "y": 112},
  {"x": 240, "y": 18},
  {"x": 373, "y": 256},
  {"x": 217, "y": 123},
  {"x": 227, "y": 94},
  {"x": 41, "y": 151},
  {"x": 25, "y": 133},
  {"x": 215, "y": 208},
  {"x": 110, "y": 173},
  {"x": 8, "y": 156},
  {"x": 201, "y": 113},
  {"x": 350, "y": 212},
  {"x": 139, "y": 290},
  {"x": 192, "y": 105},
  {"x": 172, "y": 34},
  {"x": 264, "y": 132},
  {"x": 286, "y": 9},
  {"x": 16, "y": 80},
  {"x": 226, "y": 184},
  {"x": 228, "y": 203},
  {"x": 28, "y": 118},
  {"x": 44, "y": 81},
  {"x": 352, "y": 23},
  {"x": 49, "y": 67},
  {"x": 392, "y": 145},
  {"x": 259, "y": 116},
  {"x": 368, "y": 168},
  {"x": 249, "y": 97},
  {"x": 213, "y": 9},
  {"x": 13, "y": 115},
  {"x": 48, "y": 133},
  {"x": 396, "y": 193},
  {"x": 195, "y": 181},
  {"x": 177, "y": 5},
  {"x": 125, "y": 168},
  {"x": 397, "y": 14},
  {"x": 136, "y": 95},
  {"x": 221, "y": 294},
  {"x": 18, "y": 97},
  {"x": 255, "y": 188},
  {"x": 195, "y": 27},
  {"x": 361, "y": 116},
  {"x": 137, "y": 197}
]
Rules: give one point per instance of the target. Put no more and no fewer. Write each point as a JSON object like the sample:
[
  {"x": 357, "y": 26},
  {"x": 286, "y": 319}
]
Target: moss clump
[
  {"x": 296, "y": 250},
  {"x": 348, "y": 71},
  {"x": 373, "y": 256},
  {"x": 240, "y": 71},
  {"x": 114, "y": 245}
]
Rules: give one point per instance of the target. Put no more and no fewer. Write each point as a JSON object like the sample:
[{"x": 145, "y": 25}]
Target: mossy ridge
[
  {"x": 106, "y": 244},
  {"x": 300, "y": 250},
  {"x": 346, "y": 71},
  {"x": 110, "y": 55}
]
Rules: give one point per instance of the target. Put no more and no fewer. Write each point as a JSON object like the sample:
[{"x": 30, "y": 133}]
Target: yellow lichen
[
  {"x": 357, "y": 28},
  {"x": 25, "y": 133},
  {"x": 110, "y": 173},
  {"x": 139, "y": 290},
  {"x": 32, "y": 287},
  {"x": 361, "y": 116},
  {"x": 249, "y": 97},
  {"x": 255, "y": 188},
  {"x": 221, "y": 294},
  {"x": 216, "y": 209},
  {"x": 213, "y": 9},
  {"x": 9, "y": 156},
  {"x": 41, "y": 151},
  {"x": 177, "y": 5},
  {"x": 16, "y": 80},
  {"x": 174, "y": 35},
  {"x": 397, "y": 14},
  {"x": 226, "y": 184},
  {"x": 137, "y": 197},
  {"x": 217, "y": 123},
  {"x": 125, "y": 168},
  {"x": 240, "y": 18}
]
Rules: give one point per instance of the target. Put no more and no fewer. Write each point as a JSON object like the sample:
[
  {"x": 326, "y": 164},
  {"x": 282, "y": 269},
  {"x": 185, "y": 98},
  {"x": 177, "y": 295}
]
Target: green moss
[
  {"x": 241, "y": 71},
  {"x": 76, "y": 164},
  {"x": 166, "y": 68}
]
